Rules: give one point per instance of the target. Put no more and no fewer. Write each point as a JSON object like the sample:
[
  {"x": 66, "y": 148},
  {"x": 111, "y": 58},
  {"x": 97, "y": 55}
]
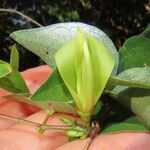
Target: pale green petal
[{"x": 85, "y": 66}]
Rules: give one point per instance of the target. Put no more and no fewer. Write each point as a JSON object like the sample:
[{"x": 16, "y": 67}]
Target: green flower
[{"x": 85, "y": 65}]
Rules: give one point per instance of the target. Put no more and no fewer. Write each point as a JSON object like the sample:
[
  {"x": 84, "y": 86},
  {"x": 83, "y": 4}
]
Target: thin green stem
[
  {"x": 49, "y": 113},
  {"x": 75, "y": 127}
]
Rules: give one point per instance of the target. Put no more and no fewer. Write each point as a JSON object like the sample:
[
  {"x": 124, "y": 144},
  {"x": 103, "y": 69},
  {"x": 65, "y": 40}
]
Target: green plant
[{"x": 85, "y": 79}]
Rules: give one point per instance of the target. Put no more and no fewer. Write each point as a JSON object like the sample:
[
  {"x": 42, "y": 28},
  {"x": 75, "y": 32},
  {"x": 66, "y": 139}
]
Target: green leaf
[
  {"x": 10, "y": 78},
  {"x": 54, "y": 93},
  {"x": 14, "y": 83},
  {"x": 48, "y": 105},
  {"x": 97, "y": 108},
  {"x": 58, "y": 106},
  {"x": 130, "y": 124},
  {"x": 45, "y": 41},
  {"x": 14, "y": 58},
  {"x": 136, "y": 99},
  {"x": 125, "y": 78},
  {"x": 85, "y": 66},
  {"x": 53, "y": 89},
  {"x": 4, "y": 69},
  {"x": 135, "y": 52}
]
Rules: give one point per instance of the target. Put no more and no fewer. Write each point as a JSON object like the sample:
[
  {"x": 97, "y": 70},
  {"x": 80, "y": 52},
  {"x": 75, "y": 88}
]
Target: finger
[
  {"x": 36, "y": 76},
  {"x": 23, "y": 136},
  {"x": 120, "y": 141},
  {"x": 130, "y": 141}
]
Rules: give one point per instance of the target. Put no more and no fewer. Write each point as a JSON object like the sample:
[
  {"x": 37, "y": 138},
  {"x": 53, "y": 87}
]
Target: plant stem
[
  {"x": 49, "y": 113},
  {"x": 21, "y": 14},
  {"x": 19, "y": 120},
  {"x": 75, "y": 127}
]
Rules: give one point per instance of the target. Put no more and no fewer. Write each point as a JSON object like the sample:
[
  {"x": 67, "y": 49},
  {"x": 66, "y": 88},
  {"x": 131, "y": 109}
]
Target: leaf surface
[
  {"x": 4, "y": 69},
  {"x": 54, "y": 93},
  {"x": 135, "y": 51},
  {"x": 136, "y": 99},
  {"x": 126, "y": 78},
  {"x": 131, "y": 124},
  {"x": 53, "y": 89},
  {"x": 46, "y": 41},
  {"x": 14, "y": 59},
  {"x": 10, "y": 78}
]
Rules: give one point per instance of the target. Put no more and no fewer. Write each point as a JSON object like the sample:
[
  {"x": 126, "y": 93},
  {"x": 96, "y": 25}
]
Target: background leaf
[
  {"x": 45, "y": 41},
  {"x": 137, "y": 100},
  {"x": 126, "y": 78},
  {"x": 135, "y": 51},
  {"x": 130, "y": 124}
]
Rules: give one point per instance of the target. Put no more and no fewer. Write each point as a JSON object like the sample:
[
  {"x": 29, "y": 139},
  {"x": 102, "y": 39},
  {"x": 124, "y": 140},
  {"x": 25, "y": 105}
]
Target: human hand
[{"x": 17, "y": 136}]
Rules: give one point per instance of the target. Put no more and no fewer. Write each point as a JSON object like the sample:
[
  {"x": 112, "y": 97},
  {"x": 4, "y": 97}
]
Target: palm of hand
[{"x": 16, "y": 136}]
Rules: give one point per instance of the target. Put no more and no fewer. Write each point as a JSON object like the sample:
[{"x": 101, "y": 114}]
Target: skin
[{"x": 17, "y": 136}]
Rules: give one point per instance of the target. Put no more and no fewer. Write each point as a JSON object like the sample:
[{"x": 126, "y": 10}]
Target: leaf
[
  {"x": 4, "y": 69},
  {"x": 48, "y": 105},
  {"x": 136, "y": 99},
  {"x": 130, "y": 124},
  {"x": 54, "y": 93},
  {"x": 14, "y": 83},
  {"x": 63, "y": 107},
  {"x": 53, "y": 89},
  {"x": 46, "y": 41},
  {"x": 135, "y": 52},
  {"x": 125, "y": 78},
  {"x": 86, "y": 68},
  {"x": 10, "y": 78},
  {"x": 14, "y": 59},
  {"x": 97, "y": 108}
]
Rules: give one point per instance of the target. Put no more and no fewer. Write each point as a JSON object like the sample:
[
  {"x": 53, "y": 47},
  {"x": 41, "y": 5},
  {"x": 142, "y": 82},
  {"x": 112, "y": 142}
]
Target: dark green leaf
[
  {"x": 97, "y": 108},
  {"x": 125, "y": 78},
  {"x": 55, "y": 94},
  {"x": 135, "y": 51},
  {"x": 49, "y": 105},
  {"x": 45, "y": 41},
  {"x": 136, "y": 99},
  {"x": 10, "y": 78},
  {"x": 130, "y": 124},
  {"x": 53, "y": 89},
  {"x": 14, "y": 83}
]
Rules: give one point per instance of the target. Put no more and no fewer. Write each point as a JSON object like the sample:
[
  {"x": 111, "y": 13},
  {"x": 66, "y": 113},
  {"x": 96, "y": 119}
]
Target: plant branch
[
  {"x": 21, "y": 14},
  {"x": 75, "y": 127}
]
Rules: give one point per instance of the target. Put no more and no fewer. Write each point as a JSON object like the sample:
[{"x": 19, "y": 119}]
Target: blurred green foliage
[{"x": 120, "y": 19}]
